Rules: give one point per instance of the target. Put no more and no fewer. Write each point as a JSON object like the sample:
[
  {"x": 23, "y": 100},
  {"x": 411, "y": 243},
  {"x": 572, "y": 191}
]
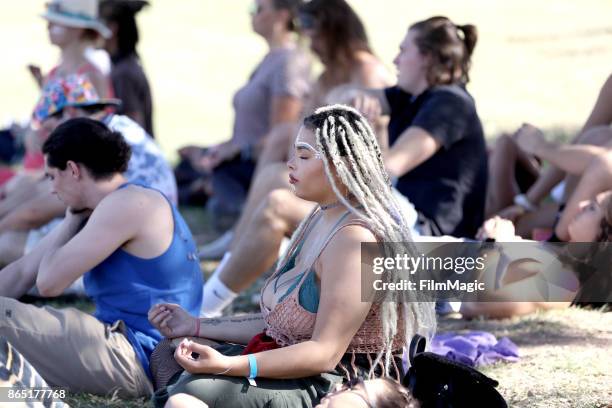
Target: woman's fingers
[
  {"x": 183, "y": 357},
  {"x": 199, "y": 348}
]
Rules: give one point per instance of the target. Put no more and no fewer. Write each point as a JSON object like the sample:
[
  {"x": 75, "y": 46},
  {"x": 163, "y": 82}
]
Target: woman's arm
[
  {"x": 101, "y": 82},
  {"x": 571, "y": 158},
  {"x": 522, "y": 280},
  {"x": 602, "y": 111},
  {"x": 285, "y": 109},
  {"x": 341, "y": 312}
]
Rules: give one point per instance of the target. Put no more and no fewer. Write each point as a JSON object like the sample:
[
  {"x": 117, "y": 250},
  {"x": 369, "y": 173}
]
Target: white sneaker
[{"x": 214, "y": 250}]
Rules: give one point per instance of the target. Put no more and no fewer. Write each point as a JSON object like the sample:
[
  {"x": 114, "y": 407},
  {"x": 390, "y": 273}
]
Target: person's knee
[
  {"x": 184, "y": 401},
  {"x": 273, "y": 210},
  {"x": 598, "y": 136},
  {"x": 282, "y": 133},
  {"x": 274, "y": 172},
  {"x": 505, "y": 142},
  {"x": 9, "y": 311},
  {"x": 11, "y": 247}
]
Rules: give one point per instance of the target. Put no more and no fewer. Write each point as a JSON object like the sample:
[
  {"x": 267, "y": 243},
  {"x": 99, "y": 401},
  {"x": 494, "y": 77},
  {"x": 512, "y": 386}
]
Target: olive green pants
[{"x": 224, "y": 391}]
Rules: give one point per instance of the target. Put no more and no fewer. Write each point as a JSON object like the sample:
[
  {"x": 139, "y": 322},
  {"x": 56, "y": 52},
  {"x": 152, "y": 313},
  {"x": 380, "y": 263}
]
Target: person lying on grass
[{"x": 593, "y": 223}]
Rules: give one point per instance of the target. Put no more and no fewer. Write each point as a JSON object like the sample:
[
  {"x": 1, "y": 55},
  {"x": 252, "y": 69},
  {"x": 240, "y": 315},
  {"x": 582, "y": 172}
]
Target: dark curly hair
[{"x": 90, "y": 143}]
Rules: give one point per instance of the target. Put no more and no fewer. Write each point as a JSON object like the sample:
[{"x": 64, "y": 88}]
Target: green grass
[{"x": 537, "y": 61}]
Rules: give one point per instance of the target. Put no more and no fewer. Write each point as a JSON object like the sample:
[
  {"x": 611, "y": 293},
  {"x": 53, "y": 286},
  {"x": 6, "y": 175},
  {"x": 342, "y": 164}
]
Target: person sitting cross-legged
[
  {"x": 318, "y": 326},
  {"x": 132, "y": 247}
]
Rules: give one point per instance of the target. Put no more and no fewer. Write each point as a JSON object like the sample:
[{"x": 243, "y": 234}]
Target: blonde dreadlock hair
[{"x": 349, "y": 149}]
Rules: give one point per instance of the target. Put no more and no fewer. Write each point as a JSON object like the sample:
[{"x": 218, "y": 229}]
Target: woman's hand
[
  {"x": 497, "y": 228},
  {"x": 512, "y": 213},
  {"x": 530, "y": 139},
  {"x": 215, "y": 155},
  {"x": 368, "y": 105},
  {"x": 172, "y": 320},
  {"x": 208, "y": 361}
]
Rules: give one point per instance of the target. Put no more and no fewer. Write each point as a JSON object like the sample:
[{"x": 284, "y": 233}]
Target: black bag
[{"x": 438, "y": 382}]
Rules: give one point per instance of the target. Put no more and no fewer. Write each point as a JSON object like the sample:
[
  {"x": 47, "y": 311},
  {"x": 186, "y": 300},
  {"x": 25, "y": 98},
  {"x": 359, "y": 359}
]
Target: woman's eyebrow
[{"x": 304, "y": 145}]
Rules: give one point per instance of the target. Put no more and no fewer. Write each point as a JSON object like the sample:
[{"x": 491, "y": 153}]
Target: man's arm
[
  {"x": 20, "y": 276},
  {"x": 413, "y": 147},
  {"x": 75, "y": 252}
]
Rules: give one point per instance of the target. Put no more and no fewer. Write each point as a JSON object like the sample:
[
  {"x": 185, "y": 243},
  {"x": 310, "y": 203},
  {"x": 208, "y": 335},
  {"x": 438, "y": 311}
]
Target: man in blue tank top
[{"x": 132, "y": 247}]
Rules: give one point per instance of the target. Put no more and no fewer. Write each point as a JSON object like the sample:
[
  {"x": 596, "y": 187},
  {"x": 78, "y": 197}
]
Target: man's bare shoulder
[{"x": 133, "y": 202}]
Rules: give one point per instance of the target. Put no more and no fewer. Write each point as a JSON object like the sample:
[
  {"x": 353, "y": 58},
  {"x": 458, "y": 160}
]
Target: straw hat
[{"x": 76, "y": 13}]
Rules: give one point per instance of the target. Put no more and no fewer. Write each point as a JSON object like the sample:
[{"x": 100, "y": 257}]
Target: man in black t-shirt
[
  {"x": 449, "y": 188},
  {"x": 437, "y": 149}
]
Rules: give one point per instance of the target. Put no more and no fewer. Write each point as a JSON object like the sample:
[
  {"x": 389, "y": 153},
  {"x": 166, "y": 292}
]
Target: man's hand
[
  {"x": 172, "y": 321},
  {"x": 368, "y": 105}
]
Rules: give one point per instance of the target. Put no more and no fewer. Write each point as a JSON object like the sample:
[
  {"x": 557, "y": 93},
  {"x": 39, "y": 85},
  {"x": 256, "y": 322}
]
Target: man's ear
[{"x": 75, "y": 169}]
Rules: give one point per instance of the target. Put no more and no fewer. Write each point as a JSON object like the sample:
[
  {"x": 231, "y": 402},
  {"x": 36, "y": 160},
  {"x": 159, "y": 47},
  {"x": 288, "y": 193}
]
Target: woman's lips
[{"x": 292, "y": 180}]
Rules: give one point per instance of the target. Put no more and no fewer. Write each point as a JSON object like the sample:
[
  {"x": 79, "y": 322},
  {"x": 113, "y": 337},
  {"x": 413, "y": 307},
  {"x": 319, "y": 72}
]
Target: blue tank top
[{"x": 124, "y": 286}]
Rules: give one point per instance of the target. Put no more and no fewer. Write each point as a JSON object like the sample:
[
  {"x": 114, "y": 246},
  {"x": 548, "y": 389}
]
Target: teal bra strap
[{"x": 311, "y": 300}]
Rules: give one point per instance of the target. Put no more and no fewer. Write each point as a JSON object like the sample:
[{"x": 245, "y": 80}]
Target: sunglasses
[
  {"x": 355, "y": 386},
  {"x": 307, "y": 21},
  {"x": 255, "y": 9}
]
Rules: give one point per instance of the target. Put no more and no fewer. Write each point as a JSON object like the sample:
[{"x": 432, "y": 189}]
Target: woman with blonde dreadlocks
[{"x": 314, "y": 331}]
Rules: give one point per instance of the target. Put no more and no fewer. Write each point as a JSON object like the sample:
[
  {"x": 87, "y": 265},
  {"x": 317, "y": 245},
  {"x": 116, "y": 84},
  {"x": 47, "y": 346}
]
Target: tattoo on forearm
[{"x": 216, "y": 322}]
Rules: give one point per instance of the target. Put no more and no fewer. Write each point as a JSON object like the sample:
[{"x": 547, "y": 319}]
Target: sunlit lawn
[{"x": 540, "y": 61}]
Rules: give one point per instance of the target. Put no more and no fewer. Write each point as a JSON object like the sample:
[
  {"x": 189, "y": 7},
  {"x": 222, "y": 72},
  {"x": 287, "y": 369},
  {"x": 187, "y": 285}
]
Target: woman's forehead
[{"x": 305, "y": 135}]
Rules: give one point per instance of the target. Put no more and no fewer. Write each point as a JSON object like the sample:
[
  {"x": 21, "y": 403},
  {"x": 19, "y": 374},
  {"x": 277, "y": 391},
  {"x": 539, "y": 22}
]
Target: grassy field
[
  {"x": 565, "y": 355},
  {"x": 539, "y": 61}
]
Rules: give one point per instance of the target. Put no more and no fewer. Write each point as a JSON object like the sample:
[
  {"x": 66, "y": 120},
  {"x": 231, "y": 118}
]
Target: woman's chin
[{"x": 300, "y": 194}]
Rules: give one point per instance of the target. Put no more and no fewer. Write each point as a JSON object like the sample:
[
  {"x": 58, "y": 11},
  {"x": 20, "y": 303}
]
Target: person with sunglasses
[
  {"x": 220, "y": 175},
  {"x": 377, "y": 393}
]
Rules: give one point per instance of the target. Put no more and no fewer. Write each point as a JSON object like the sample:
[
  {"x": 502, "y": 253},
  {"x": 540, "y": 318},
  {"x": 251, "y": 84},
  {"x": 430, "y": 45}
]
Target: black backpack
[{"x": 438, "y": 382}]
